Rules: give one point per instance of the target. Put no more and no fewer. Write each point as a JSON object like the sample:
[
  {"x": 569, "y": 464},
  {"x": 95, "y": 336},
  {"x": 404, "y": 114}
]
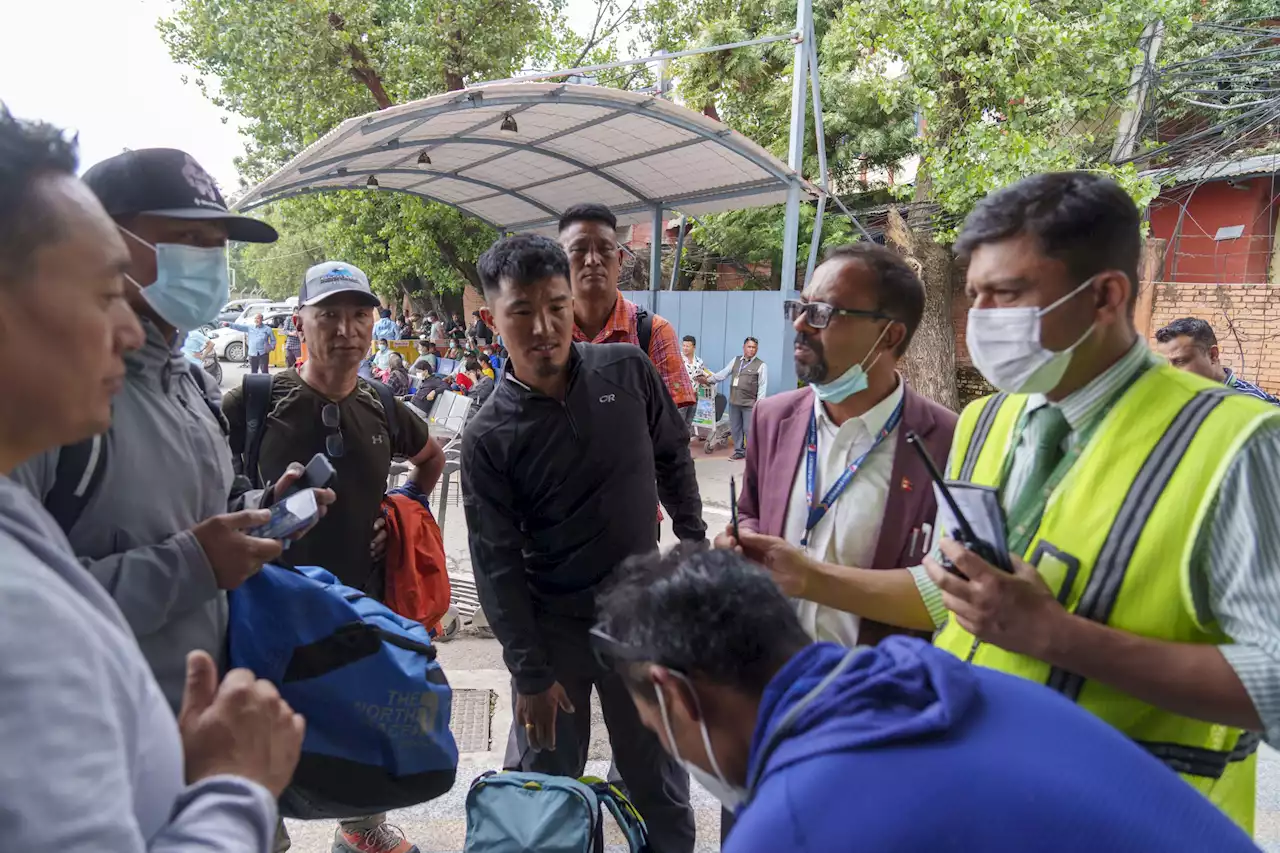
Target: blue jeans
[{"x": 739, "y": 424}]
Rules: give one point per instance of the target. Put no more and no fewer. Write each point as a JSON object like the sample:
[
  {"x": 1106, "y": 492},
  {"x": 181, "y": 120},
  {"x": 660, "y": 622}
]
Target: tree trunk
[
  {"x": 930, "y": 362},
  {"x": 706, "y": 279},
  {"x": 360, "y": 68},
  {"x": 456, "y": 260},
  {"x": 416, "y": 298}
]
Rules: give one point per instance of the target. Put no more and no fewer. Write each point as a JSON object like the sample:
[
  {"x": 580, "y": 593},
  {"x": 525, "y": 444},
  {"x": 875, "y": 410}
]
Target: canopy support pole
[
  {"x": 681, "y": 230},
  {"x": 655, "y": 257},
  {"x": 795, "y": 155},
  {"x": 786, "y": 371},
  {"x": 817, "y": 238}
]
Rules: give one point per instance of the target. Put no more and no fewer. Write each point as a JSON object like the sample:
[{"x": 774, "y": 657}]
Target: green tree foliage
[
  {"x": 750, "y": 90},
  {"x": 294, "y": 69}
]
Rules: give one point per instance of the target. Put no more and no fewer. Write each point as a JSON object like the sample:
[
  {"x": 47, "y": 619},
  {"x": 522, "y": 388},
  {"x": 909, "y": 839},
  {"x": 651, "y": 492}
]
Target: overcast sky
[{"x": 99, "y": 67}]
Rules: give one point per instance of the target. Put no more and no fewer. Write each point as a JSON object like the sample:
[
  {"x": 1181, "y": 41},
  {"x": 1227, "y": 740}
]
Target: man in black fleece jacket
[{"x": 559, "y": 473}]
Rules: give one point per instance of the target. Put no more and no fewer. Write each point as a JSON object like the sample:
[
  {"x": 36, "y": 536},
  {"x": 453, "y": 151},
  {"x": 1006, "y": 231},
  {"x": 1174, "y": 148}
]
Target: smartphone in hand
[{"x": 288, "y": 516}]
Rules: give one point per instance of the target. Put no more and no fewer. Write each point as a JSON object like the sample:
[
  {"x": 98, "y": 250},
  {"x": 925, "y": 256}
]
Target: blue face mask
[
  {"x": 851, "y": 382},
  {"x": 191, "y": 283}
]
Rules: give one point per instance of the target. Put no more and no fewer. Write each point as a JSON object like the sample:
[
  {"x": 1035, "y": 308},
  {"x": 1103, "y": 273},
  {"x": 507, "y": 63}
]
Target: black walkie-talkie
[{"x": 998, "y": 557}]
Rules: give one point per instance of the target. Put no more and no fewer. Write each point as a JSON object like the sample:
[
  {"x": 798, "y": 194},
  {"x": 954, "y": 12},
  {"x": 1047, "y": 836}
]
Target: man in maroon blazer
[{"x": 831, "y": 485}]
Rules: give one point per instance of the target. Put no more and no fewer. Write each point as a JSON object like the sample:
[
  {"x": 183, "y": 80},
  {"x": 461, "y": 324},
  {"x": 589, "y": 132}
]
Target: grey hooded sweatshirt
[
  {"x": 92, "y": 755},
  {"x": 168, "y": 468}
]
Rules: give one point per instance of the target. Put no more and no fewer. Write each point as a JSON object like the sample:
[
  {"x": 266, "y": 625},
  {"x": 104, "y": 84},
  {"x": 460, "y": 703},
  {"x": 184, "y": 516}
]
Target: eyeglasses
[
  {"x": 819, "y": 314},
  {"x": 331, "y": 417},
  {"x": 609, "y": 650}
]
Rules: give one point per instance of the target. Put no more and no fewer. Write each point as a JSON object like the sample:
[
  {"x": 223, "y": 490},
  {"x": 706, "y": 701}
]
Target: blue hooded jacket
[{"x": 910, "y": 749}]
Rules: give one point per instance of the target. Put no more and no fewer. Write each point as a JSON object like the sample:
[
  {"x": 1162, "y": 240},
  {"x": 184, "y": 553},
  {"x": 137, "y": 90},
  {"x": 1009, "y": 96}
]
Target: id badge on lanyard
[{"x": 819, "y": 510}]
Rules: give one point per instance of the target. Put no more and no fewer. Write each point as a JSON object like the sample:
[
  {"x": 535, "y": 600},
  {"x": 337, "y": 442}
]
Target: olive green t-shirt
[{"x": 295, "y": 432}]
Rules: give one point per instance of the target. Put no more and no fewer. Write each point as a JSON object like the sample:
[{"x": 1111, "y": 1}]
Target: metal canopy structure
[{"x": 517, "y": 155}]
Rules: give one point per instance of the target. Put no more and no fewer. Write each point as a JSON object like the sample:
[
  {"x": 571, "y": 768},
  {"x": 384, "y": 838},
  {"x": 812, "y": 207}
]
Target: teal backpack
[{"x": 514, "y": 812}]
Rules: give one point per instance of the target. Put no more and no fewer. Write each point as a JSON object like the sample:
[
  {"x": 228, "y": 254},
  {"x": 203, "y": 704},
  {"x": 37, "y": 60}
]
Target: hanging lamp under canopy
[{"x": 635, "y": 153}]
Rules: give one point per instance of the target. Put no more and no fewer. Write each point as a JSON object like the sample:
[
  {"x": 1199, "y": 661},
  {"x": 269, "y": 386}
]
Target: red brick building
[{"x": 1220, "y": 223}]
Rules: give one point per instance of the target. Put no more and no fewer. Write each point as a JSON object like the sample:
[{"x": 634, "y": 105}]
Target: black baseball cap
[{"x": 168, "y": 182}]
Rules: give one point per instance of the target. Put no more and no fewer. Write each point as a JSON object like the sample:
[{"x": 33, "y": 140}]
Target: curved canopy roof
[{"x": 570, "y": 144}]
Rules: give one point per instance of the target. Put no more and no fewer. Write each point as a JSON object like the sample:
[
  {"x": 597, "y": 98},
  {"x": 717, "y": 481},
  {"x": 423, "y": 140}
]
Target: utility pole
[{"x": 1139, "y": 87}]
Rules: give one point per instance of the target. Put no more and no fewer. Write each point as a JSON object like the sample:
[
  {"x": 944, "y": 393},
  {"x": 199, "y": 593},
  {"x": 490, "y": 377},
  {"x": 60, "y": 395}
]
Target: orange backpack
[{"x": 417, "y": 576}]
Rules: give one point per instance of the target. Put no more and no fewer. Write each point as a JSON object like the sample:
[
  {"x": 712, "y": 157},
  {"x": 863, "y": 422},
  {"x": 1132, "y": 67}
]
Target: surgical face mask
[
  {"x": 382, "y": 347},
  {"x": 191, "y": 283},
  {"x": 730, "y": 796},
  {"x": 851, "y": 381},
  {"x": 1006, "y": 349}
]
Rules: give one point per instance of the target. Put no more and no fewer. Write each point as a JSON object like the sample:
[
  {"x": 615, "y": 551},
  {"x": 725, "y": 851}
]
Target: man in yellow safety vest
[{"x": 1141, "y": 503}]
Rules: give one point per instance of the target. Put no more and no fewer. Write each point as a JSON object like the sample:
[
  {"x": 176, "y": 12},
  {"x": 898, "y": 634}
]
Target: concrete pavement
[{"x": 475, "y": 664}]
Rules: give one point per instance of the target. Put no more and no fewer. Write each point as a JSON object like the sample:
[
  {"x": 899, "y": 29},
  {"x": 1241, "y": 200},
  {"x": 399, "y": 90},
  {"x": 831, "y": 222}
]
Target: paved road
[{"x": 476, "y": 664}]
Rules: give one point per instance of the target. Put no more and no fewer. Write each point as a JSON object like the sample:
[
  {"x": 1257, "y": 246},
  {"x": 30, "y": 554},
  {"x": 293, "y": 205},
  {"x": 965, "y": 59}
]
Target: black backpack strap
[
  {"x": 388, "y": 409},
  {"x": 78, "y": 475},
  {"x": 644, "y": 328},
  {"x": 256, "y": 388}
]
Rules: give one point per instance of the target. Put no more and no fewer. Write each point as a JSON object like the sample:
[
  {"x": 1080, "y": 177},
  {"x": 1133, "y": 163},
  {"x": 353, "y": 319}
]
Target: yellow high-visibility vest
[{"x": 1115, "y": 545}]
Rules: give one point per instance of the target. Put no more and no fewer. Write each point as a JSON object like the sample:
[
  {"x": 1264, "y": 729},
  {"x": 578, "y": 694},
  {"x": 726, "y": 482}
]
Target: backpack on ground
[
  {"x": 417, "y": 576},
  {"x": 515, "y": 812},
  {"x": 376, "y": 702}
]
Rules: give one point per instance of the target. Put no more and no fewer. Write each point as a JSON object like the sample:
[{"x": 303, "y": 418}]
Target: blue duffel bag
[{"x": 376, "y": 702}]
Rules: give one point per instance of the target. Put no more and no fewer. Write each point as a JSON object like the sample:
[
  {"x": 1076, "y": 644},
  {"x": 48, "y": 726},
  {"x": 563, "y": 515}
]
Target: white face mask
[
  {"x": 191, "y": 284},
  {"x": 1006, "y": 349},
  {"x": 730, "y": 796}
]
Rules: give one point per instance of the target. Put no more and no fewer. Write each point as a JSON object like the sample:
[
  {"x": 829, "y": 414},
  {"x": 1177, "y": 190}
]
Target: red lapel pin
[{"x": 906, "y": 484}]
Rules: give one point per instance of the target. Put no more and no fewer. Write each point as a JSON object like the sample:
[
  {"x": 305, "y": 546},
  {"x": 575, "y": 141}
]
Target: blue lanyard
[{"x": 819, "y": 510}]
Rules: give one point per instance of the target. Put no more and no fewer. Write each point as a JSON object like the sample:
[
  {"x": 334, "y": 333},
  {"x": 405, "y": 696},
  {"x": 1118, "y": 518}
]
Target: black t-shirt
[{"x": 295, "y": 432}]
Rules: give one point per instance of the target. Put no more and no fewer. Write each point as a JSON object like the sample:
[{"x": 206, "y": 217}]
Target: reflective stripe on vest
[
  {"x": 1103, "y": 588},
  {"x": 1115, "y": 544},
  {"x": 1210, "y": 763},
  {"x": 980, "y": 432}
]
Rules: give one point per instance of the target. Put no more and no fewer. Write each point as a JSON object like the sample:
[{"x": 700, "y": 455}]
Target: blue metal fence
[{"x": 721, "y": 320}]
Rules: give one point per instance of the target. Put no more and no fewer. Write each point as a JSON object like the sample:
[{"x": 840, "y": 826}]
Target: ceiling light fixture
[
  {"x": 424, "y": 159},
  {"x": 509, "y": 124},
  {"x": 372, "y": 182}
]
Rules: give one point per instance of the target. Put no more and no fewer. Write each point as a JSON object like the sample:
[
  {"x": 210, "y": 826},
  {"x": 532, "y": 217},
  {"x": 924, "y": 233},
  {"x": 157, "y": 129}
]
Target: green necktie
[{"x": 1044, "y": 433}]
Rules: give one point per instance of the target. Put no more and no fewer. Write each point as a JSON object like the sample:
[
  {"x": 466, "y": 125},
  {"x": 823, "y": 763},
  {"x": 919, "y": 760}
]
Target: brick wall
[
  {"x": 970, "y": 385},
  {"x": 471, "y": 301},
  {"x": 1246, "y": 319},
  {"x": 969, "y": 382}
]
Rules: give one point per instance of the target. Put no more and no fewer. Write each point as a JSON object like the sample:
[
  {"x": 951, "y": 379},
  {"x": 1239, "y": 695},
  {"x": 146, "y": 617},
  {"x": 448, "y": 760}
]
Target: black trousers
[
  {"x": 655, "y": 782},
  {"x": 291, "y": 358},
  {"x": 258, "y": 363}
]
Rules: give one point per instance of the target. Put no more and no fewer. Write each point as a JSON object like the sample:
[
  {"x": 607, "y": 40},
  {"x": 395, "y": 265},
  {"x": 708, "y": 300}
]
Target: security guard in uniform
[{"x": 1141, "y": 501}]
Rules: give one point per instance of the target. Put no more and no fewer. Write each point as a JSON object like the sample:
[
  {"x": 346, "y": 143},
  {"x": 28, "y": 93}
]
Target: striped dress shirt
[
  {"x": 1234, "y": 576},
  {"x": 1244, "y": 386}
]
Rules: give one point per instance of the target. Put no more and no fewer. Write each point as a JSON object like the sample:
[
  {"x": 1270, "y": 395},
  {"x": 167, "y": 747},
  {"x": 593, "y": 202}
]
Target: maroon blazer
[{"x": 775, "y": 454}]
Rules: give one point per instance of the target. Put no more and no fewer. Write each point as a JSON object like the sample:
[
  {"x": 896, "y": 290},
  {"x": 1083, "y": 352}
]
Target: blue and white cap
[{"x": 331, "y": 278}]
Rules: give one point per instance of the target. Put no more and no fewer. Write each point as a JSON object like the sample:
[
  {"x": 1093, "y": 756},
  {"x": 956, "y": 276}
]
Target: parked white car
[
  {"x": 230, "y": 344},
  {"x": 233, "y": 309}
]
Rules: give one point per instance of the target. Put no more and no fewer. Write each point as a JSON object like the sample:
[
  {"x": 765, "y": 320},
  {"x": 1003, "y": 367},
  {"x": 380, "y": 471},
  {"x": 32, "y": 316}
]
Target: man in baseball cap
[
  {"x": 324, "y": 406},
  {"x": 177, "y": 227},
  {"x": 331, "y": 278}
]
